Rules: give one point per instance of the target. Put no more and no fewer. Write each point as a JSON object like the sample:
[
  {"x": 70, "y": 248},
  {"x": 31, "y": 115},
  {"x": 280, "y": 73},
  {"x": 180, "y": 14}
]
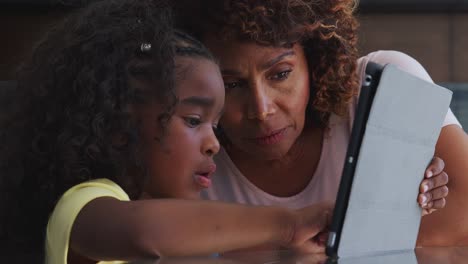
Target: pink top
[{"x": 230, "y": 185}]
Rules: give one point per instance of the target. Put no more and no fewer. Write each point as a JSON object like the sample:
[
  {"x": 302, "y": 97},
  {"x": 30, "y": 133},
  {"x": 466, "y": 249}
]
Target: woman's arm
[
  {"x": 449, "y": 226},
  {"x": 107, "y": 228}
]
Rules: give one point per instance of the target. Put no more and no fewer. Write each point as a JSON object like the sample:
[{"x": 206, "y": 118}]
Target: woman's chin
[{"x": 268, "y": 152}]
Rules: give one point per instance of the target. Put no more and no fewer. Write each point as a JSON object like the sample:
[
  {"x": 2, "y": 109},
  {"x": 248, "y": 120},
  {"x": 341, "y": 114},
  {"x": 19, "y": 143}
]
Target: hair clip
[{"x": 145, "y": 47}]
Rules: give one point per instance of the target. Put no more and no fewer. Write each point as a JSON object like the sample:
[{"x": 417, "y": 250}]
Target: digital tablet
[{"x": 396, "y": 126}]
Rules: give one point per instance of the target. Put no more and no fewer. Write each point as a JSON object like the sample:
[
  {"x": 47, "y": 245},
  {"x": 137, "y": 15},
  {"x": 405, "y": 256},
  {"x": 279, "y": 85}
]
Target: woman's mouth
[{"x": 272, "y": 138}]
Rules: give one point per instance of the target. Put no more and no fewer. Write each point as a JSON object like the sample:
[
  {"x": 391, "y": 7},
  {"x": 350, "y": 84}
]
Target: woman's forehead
[{"x": 237, "y": 52}]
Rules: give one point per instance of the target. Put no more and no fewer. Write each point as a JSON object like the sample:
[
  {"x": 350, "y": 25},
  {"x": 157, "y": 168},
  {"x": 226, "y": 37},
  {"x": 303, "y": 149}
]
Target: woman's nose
[{"x": 260, "y": 105}]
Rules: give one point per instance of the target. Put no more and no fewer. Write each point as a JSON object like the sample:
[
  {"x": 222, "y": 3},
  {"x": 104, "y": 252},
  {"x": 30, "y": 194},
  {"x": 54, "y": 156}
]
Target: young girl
[{"x": 117, "y": 109}]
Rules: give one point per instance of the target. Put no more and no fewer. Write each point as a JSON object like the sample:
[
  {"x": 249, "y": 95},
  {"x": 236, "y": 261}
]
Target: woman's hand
[{"x": 433, "y": 188}]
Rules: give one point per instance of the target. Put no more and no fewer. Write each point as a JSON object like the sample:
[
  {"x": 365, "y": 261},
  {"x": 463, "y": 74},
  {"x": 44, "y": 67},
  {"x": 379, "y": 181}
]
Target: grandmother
[{"x": 292, "y": 74}]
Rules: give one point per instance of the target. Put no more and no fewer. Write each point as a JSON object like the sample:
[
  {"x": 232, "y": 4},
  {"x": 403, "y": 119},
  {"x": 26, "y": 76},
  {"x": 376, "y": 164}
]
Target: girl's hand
[
  {"x": 433, "y": 188},
  {"x": 311, "y": 228}
]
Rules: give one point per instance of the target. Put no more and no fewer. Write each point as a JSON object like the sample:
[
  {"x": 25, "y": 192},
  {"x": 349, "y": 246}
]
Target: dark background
[{"x": 434, "y": 32}]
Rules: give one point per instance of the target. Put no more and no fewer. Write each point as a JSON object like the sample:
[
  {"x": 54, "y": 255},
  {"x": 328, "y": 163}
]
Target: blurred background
[{"x": 435, "y": 32}]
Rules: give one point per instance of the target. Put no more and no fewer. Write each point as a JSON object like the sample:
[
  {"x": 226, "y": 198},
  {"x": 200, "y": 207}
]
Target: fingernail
[
  {"x": 424, "y": 200},
  {"x": 425, "y": 188},
  {"x": 429, "y": 174}
]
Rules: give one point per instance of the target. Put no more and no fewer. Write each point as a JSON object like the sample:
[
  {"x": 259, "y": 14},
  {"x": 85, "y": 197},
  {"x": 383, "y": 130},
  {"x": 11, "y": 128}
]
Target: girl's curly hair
[
  {"x": 72, "y": 120},
  {"x": 325, "y": 28}
]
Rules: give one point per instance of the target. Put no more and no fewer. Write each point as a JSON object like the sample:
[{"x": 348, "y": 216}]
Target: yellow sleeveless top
[{"x": 70, "y": 204}]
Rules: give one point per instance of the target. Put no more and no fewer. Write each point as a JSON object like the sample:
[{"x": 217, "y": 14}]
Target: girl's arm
[
  {"x": 449, "y": 226},
  {"x": 107, "y": 228}
]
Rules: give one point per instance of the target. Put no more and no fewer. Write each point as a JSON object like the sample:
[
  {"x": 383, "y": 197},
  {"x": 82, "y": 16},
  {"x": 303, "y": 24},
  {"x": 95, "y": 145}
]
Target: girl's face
[
  {"x": 267, "y": 91},
  {"x": 180, "y": 158}
]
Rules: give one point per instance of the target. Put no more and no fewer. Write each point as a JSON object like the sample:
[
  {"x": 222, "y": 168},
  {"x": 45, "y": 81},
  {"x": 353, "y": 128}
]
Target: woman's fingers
[
  {"x": 436, "y": 167},
  {"x": 425, "y": 199},
  {"x": 439, "y": 193},
  {"x": 433, "y": 188},
  {"x": 434, "y": 182},
  {"x": 428, "y": 211},
  {"x": 438, "y": 204}
]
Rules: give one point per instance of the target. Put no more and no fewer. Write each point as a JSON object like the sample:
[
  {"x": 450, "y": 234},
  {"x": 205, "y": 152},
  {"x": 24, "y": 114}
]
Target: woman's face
[
  {"x": 180, "y": 157},
  {"x": 267, "y": 91}
]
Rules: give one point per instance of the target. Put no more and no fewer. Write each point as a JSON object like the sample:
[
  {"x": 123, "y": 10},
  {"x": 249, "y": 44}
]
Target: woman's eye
[
  {"x": 217, "y": 131},
  {"x": 281, "y": 75},
  {"x": 231, "y": 85},
  {"x": 192, "y": 121}
]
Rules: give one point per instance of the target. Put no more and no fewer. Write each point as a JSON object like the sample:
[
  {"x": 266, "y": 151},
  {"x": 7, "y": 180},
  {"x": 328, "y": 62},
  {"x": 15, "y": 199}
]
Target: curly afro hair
[
  {"x": 326, "y": 30},
  {"x": 72, "y": 119}
]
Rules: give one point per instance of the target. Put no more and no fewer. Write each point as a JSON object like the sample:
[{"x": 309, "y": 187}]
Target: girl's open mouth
[{"x": 203, "y": 178}]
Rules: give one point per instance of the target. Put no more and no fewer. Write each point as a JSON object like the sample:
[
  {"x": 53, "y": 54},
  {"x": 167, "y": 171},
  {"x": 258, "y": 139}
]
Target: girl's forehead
[
  {"x": 194, "y": 68},
  {"x": 198, "y": 76}
]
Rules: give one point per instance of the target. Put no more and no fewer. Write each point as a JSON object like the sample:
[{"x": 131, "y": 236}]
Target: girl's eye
[
  {"x": 192, "y": 121},
  {"x": 281, "y": 75}
]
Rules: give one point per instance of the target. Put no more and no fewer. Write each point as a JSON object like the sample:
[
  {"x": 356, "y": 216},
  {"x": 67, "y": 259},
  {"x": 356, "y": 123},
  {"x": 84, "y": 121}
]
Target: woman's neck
[{"x": 287, "y": 175}]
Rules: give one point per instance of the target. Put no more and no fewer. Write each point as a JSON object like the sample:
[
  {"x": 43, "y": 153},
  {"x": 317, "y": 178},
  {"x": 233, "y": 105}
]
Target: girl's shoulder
[
  {"x": 75, "y": 198},
  {"x": 67, "y": 209},
  {"x": 101, "y": 183}
]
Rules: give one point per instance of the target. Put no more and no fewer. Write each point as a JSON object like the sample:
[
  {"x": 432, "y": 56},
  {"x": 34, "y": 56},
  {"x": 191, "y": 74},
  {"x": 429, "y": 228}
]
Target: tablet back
[{"x": 403, "y": 125}]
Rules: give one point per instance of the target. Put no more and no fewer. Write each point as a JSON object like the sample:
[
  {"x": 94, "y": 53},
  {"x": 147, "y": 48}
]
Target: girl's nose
[{"x": 211, "y": 145}]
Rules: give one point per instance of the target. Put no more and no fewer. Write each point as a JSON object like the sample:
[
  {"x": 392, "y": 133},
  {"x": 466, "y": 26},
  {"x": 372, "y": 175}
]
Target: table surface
[{"x": 427, "y": 255}]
